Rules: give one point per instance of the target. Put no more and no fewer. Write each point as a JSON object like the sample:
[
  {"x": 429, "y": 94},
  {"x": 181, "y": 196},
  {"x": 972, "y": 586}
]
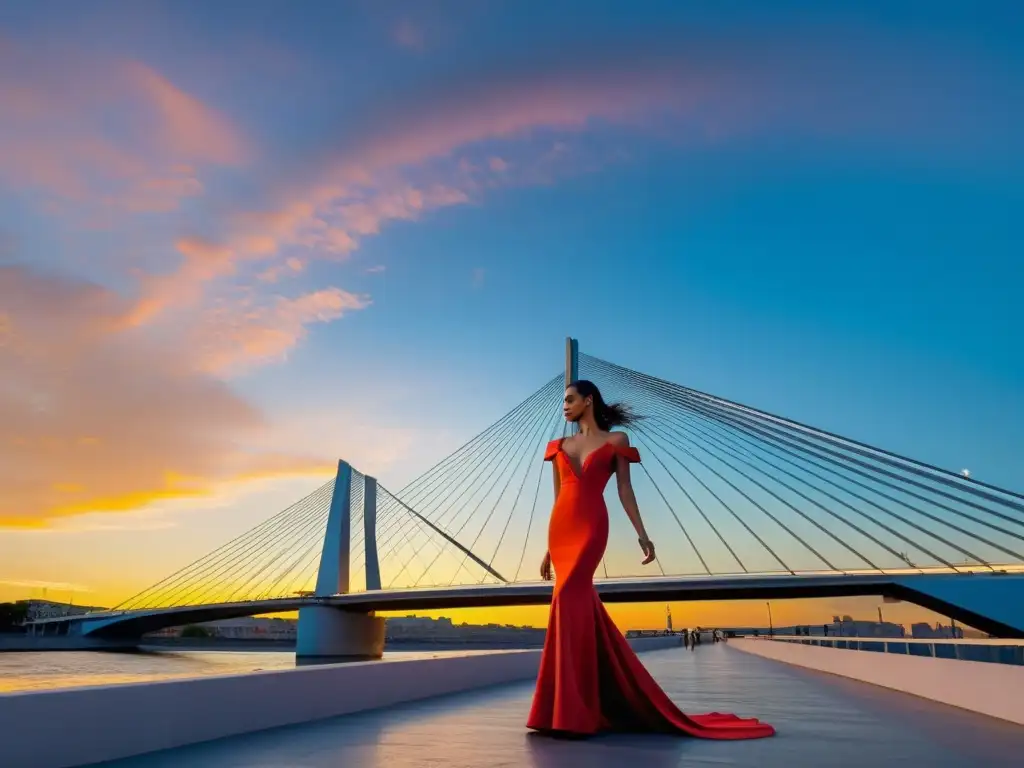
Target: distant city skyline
[
  {"x": 753, "y": 613},
  {"x": 236, "y": 247},
  {"x": 906, "y": 616}
]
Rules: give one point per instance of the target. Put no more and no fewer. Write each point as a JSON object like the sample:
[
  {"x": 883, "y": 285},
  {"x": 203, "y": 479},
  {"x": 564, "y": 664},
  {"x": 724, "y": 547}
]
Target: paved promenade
[{"x": 822, "y": 721}]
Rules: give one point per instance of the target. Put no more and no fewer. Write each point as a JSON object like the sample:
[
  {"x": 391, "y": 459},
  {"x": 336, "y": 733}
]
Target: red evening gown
[{"x": 590, "y": 679}]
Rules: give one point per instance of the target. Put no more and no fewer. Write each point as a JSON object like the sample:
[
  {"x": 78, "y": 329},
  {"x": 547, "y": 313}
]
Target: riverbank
[
  {"x": 393, "y": 644},
  {"x": 30, "y": 644}
]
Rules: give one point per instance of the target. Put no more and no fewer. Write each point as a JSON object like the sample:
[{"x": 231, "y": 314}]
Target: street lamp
[{"x": 771, "y": 628}]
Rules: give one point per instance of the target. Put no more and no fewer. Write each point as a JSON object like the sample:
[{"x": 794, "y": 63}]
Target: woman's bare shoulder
[{"x": 620, "y": 439}]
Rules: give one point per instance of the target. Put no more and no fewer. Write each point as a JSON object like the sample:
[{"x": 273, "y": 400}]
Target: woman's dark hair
[{"x": 607, "y": 415}]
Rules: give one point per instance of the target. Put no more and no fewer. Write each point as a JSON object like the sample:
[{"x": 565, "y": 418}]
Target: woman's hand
[
  {"x": 545, "y": 567},
  {"x": 648, "y": 549}
]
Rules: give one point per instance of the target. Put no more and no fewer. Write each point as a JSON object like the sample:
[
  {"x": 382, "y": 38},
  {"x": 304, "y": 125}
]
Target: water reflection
[{"x": 72, "y": 669}]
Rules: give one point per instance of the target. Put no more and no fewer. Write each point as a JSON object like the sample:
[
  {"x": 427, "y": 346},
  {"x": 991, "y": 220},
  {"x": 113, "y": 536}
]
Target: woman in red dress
[{"x": 590, "y": 680}]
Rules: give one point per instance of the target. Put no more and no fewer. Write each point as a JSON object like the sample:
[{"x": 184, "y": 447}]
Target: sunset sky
[{"x": 242, "y": 240}]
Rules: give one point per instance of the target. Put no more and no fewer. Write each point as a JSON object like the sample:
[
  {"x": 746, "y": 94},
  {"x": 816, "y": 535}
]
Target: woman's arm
[
  {"x": 545, "y": 565},
  {"x": 628, "y": 498}
]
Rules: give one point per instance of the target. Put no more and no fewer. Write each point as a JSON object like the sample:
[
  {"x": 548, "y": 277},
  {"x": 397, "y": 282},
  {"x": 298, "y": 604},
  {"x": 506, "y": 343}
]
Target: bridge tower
[
  {"x": 572, "y": 361},
  {"x": 572, "y": 366},
  {"x": 325, "y": 632}
]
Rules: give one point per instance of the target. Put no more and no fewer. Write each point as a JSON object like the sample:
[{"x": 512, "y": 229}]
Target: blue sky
[{"x": 240, "y": 241}]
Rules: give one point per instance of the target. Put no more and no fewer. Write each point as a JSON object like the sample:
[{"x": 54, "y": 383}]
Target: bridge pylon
[
  {"x": 326, "y": 632},
  {"x": 745, "y": 505},
  {"x": 572, "y": 360},
  {"x": 370, "y": 533}
]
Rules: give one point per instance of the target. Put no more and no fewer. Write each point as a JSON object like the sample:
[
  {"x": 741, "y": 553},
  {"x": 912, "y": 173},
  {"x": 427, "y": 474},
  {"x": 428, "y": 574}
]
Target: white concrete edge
[
  {"x": 983, "y": 687},
  {"x": 91, "y": 724}
]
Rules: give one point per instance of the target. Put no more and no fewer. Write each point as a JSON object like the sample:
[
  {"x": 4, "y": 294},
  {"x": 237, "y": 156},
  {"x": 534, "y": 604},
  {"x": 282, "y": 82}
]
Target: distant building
[
  {"x": 247, "y": 628},
  {"x": 923, "y": 631},
  {"x": 849, "y": 627},
  {"x": 399, "y": 629},
  {"x": 420, "y": 628},
  {"x": 165, "y": 632},
  {"x": 50, "y": 609},
  {"x": 254, "y": 628}
]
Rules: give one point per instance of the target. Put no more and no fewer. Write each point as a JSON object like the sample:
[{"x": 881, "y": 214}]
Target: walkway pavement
[{"x": 821, "y": 720}]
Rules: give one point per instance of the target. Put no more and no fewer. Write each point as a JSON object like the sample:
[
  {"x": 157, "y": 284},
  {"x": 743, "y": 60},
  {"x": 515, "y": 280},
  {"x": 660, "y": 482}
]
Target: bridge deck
[{"x": 822, "y": 720}]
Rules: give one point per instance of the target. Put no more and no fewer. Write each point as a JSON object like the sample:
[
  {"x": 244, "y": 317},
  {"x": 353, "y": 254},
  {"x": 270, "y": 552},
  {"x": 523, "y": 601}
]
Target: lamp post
[{"x": 771, "y": 628}]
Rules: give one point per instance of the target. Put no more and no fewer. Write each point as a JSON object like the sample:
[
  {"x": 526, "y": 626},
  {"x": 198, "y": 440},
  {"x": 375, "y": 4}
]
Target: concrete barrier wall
[
  {"x": 987, "y": 688},
  {"x": 641, "y": 644},
  {"x": 79, "y": 726}
]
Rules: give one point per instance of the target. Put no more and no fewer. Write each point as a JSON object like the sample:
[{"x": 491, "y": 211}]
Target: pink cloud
[
  {"x": 233, "y": 337},
  {"x": 291, "y": 266},
  {"x": 370, "y": 183},
  {"x": 260, "y": 236},
  {"x": 509, "y": 109},
  {"x": 184, "y": 125},
  {"x": 366, "y": 217},
  {"x": 107, "y": 134}
]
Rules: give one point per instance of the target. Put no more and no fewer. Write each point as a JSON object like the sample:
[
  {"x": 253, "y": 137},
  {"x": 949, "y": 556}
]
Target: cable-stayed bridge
[{"x": 740, "y": 504}]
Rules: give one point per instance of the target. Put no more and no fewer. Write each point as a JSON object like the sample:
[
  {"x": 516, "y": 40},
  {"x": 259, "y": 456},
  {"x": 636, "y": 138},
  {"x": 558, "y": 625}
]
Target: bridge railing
[{"x": 990, "y": 650}]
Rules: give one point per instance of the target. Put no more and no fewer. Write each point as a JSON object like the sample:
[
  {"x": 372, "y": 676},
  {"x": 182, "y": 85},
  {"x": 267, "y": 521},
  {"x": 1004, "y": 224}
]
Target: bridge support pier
[{"x": 327, "y": 633}]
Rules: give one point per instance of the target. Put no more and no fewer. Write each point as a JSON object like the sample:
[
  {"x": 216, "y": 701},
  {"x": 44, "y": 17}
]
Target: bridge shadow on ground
[{"x": 821, "y": 720}]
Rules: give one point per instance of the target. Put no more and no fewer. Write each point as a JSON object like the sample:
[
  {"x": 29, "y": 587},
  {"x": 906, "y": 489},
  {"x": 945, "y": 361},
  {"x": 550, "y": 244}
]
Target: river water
[{"x": 68, "y": 669}]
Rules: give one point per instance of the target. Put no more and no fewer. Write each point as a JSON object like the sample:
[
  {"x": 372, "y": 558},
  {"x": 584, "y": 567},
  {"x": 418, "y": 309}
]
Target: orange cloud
[
  {"x": 109, "y": 135},
  {"x": 202, "y": 261},
  {"x": 94, "y": 418},
  {"x": 233, "y": 337},
  {"x": 261, "y": 237},
  {"x": 291, "y": 266}
]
